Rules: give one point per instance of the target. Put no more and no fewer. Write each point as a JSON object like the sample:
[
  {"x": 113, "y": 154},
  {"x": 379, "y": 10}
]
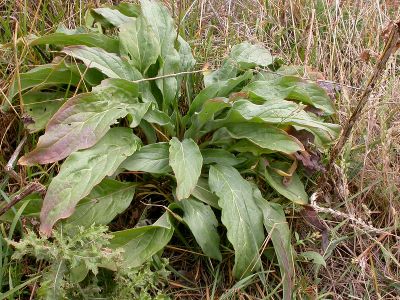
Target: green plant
[
  {"x": 74, "y": 252},
  {"x": 254, "y": 126}
]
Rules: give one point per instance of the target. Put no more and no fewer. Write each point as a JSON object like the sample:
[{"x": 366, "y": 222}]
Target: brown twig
[
  {"x": 390, "y": 48},
  {"x": 33, "y": 187}
]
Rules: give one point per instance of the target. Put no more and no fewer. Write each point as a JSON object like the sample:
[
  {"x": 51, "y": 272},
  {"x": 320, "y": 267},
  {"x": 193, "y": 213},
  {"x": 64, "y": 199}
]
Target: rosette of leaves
[{"x": 112, "y": 103}]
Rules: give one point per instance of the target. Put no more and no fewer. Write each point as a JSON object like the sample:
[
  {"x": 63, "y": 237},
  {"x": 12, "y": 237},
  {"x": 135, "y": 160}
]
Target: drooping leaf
[
  {"x": 219, "y": 156},
  {"x": 186, "y": 162},
  {"x": 278, "y": 229},
  {"x": 265, "y": 136},
  {"x": 202, "y": 223},
  {"x": 292, "y": 88},
  {"x": 141, "y": 243},
  {"x": 82, "y": 121},
  {"x": 109, "y": 64},
  {"x": 282, "y": 113},
  {"x": 46, "y": 75},
  {"x": 40, "y": 107},
  {"x": 112, "y": 16},
  {"x": 107, "y": 199},
  {"x": 83, "y": 170},
  {"x": 92, "y": 39},
  {"x": 140, "y": 43},
  {"x": 153, "y": 158},
  {"x": 240, "y": 215},
  {"x": 292, "y": 190},
  {"x": 243, "y": 56}
]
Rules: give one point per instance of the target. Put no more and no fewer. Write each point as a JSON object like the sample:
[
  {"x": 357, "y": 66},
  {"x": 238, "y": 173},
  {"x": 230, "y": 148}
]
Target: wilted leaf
[
  {"x": 81, "y": 171},
  {"x": 153, "y": 158},
  {"x": 186, "y": 162},
  {"x": 141, "y": 243},
  {"x": 240, "y": 215},
  {"x": 203, "y": 224},
  {"x": 107, "y": 199},
  {"x": 278, "y": 229},
  {"x": 82, "y": 121}
]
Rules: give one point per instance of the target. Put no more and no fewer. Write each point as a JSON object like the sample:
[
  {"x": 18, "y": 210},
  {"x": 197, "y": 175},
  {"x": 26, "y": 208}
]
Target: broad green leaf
[
  {"x": 243, "y": 56},
  {"x": 210, "y": 108},
  {"x": 186, "y": 162},
  {"x": 164, "y": 29},
  {"x": 292, "y": 88},
  {"x": 293, "y": 190},
  {"x": 109, "y": 64},
  {"x": 281, "y": 113},
  {"x": 153, "y": 158},
  {"x": 159, "y": 117},
  {"x": 83, "y": 170},
  {"x": 140, "y": 43},
  {"x": 83, "y": 120},
  {"x": 136, "y": 112},
  {"x": 107, "y": 199},
  {"x": 202, "y": 192},
  {"x": 219, "y": 89},
  {"x": 40, "y": 107},
  {"x": 240, "y": 215},
  {"x": 42, "y": 76},
  {"x": 112, "y": 16},
  {"x": 129, "y": 9},
  {"x": 141, "y": 243},
  {"x": 315, "y": 257},
  {"x": 267, "y": 90},
  {"x": 92, "y": 39},
  {"x": 187, "y": 60},
  {"x": 278, "y": 229},
  {"x": 203, "y": 224},
  {"x": 219, "y": 156},
  {"x": 265, "y": 136}
]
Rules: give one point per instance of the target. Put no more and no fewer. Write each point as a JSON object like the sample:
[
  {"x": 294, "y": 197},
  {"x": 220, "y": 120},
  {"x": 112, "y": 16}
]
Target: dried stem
[{"x": 33, "y": 187}]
